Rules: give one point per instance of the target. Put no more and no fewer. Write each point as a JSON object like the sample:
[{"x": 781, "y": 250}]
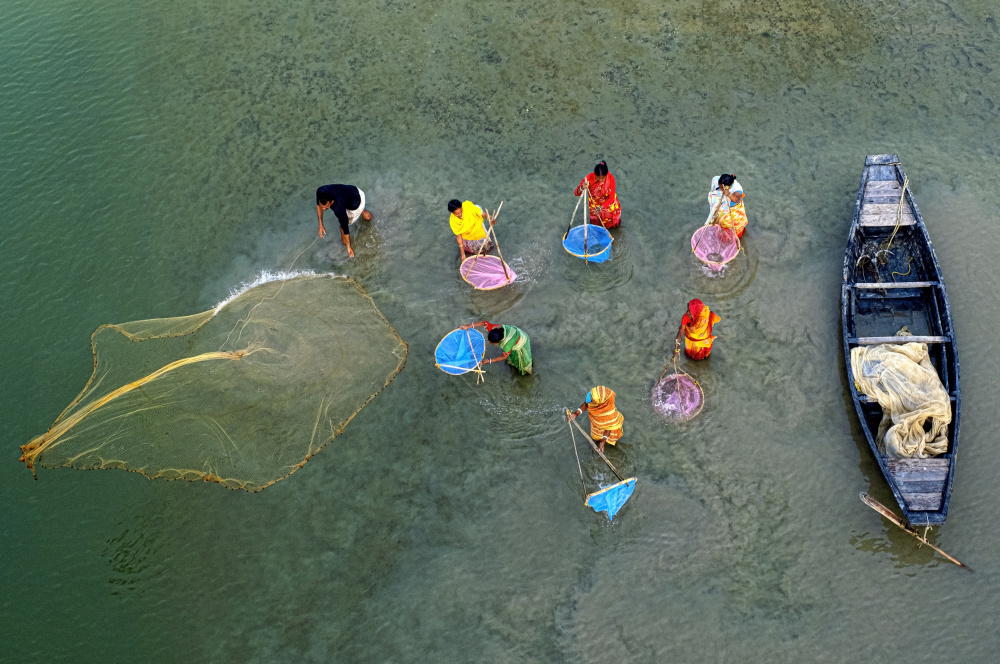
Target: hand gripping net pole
[
  {"x": 590, "y": 242},
  {"x": 714, "y": 245},
  {"x": 609, "y": 499},
  {"x": 242, "y": 395},
  {"x": 486, "y": 272}
]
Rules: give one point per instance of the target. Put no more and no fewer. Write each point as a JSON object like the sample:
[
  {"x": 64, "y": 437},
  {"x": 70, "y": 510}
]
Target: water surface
[{"x": 156, "y": 155}]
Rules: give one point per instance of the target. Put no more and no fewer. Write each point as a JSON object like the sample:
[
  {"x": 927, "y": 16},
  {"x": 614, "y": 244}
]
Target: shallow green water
[{"x": 156, "y": 155}]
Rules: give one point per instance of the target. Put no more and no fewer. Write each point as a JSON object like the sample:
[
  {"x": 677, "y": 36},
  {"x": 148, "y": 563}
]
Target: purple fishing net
[
  {"x": 486, "y": 272},
  {"x": 715, "y": 246},
  {"x": 678, "y": 397}
]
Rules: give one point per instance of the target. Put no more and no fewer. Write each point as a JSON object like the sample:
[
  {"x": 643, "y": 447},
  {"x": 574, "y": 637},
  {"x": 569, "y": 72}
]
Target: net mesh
[
  {"x": 487, "y": 272},
  {"x": 242, "y": 395},
  {"x": 678, "y": 397},
  {"x": 460, "y": 351},
  {"x": 907, "y": 387},
  {"x": 715, "y": 246},
  {"x": 596, "y": 248},
  {"x": 612, "y": 498}
]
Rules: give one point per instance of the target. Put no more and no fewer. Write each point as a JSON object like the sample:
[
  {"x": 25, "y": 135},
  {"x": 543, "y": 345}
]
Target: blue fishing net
[
  {"x": 598, "y": 245},
  {"x": 612, "y": 498},
  {"x": 460, "y": 351}
]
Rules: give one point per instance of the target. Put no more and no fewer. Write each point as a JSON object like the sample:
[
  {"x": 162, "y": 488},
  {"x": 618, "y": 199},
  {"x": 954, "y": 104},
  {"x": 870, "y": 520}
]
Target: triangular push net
[
  {"x": 715, "y": 246},
  {"x": 487, "y": 272},
  {"x": 243, "y": 394},
  {"x": 612, "y": 498},
  {"x": 460, "y": 351},
  {"x": 594, "y": 248}
]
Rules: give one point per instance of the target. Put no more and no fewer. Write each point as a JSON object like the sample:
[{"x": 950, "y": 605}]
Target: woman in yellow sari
[
  {"x": 467, "y": 224},
  {"x": 605, "y": 420},
  {"x": 696, "y": 329},
  {"x": 725, "y": 200}
]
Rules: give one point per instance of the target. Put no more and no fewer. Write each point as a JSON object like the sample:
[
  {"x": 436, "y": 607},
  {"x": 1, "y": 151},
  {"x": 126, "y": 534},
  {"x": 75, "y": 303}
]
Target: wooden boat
[{"x": 891, "y": 279}]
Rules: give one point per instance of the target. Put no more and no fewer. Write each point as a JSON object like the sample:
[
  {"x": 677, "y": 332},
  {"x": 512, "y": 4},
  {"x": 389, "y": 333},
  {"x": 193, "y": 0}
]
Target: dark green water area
[{"x": 156, "y": 155}]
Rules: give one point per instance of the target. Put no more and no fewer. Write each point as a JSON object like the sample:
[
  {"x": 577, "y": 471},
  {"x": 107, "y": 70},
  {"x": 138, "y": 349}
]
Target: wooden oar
[
  {"x": 586, "y": 216},
  {"x": 599, "y": 452},
  {"x": 888, "y": 514}
]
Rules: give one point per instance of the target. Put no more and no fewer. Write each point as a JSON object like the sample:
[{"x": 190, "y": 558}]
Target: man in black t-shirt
[{"x": 347, "y": 203}]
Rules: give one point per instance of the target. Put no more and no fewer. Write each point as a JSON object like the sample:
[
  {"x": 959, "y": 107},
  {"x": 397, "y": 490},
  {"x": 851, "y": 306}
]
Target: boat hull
[{"x": 892, "y": 278}]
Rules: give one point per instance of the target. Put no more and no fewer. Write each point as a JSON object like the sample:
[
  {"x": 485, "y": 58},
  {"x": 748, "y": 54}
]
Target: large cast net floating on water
[
  {"x": 715, "y": 246},
  {"x": 243, "y": 394}
]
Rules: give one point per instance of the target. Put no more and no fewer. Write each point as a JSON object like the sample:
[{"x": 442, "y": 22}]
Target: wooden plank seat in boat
[
  {"x": 920, "y": 481},
  {"x": 868, "y": 341},
  {"x": 896, "y": 284},
  {"x": 887, "y": 186},
  {"x": 884, "y": 214}
]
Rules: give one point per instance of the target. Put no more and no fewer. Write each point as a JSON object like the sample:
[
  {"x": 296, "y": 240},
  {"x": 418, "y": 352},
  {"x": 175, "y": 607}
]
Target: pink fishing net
[
  {"x": 715, "y": 246},
  {"x": 486, "y": 272},
  {"x": 678, "y": 397}
]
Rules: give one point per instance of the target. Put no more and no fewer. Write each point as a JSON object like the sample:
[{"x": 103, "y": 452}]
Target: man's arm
[{"x": 319, "y": 215}]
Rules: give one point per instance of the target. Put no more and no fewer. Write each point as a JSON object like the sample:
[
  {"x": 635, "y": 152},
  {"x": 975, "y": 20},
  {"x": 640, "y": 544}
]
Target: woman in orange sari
[
  {"x": 602, "y": 197},
  {"x": 696, "y": 328},
  {"x": 605, "y": 420}
]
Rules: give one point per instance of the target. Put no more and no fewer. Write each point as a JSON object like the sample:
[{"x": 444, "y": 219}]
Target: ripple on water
[{"x": 732, "y": 280}]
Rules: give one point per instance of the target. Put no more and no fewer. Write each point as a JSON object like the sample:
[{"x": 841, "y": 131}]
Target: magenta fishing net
[
  {"x": 487, "y": 272},
  {"x": 715, "y": 246},
  {"x": 678, "y": 397}
]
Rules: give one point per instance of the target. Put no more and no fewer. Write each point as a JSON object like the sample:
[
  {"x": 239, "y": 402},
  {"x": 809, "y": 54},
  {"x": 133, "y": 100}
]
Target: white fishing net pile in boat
[{"x": 906, "y": 385}]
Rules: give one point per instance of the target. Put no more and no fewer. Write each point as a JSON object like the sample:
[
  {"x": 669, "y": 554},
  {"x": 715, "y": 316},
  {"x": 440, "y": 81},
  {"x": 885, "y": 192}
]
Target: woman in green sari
[{"x": 512, "y": 341}]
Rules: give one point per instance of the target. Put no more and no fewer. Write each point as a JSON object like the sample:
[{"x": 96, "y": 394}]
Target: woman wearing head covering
[
  {"x": 467, "y": 224},
  {"x": 602, "y": 197},
  {"x": 512, "y": 341},
  {"x": 696, "y": 329},
  {"x": 605, "y": 420},
  {"x": 725, "y": 198}
]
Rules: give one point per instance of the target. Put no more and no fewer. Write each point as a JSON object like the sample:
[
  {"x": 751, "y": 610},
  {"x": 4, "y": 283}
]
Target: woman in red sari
[
  {"x": 696, "y": 328},
  {"x": 602, "y": 198}
]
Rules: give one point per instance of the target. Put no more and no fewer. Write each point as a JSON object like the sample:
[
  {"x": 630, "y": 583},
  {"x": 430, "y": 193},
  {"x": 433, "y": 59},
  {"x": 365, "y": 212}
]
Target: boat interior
[{"x": 891, "y": 280}]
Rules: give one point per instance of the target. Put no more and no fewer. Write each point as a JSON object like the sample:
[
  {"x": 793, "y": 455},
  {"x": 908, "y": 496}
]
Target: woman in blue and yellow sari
[{"x": 606, "y": 422}]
